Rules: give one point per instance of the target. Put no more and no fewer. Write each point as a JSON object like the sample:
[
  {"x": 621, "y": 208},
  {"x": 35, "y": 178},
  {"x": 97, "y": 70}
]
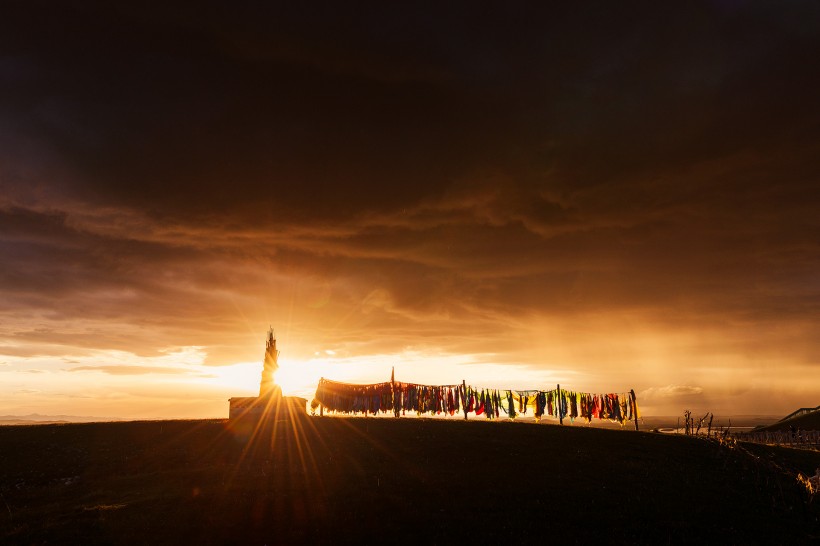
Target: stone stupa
[
  {"x": 267, "y": 388},
  {"x": 270, "y": 404}
]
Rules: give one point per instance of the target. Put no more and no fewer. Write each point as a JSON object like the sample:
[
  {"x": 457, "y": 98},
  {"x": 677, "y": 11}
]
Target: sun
[
  {"x": 296, "y": 378},
  {"x": 293, "y": 377}
]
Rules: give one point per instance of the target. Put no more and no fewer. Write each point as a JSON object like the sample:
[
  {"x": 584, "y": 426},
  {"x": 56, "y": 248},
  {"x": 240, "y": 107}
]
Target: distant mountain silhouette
[
  {"x": 38, "y": 419},
  {"x": 803, "y": 419}
]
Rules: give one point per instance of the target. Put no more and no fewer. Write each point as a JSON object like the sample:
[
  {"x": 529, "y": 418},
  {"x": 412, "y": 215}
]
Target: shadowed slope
[
  {"x": 808, "y": 421},
  {"x": 344, "y": 480}
]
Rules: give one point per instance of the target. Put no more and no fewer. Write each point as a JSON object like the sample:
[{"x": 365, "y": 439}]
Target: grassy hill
[
  {"x": 809, "y": 421},
  {"x": 338, "y": 481}
]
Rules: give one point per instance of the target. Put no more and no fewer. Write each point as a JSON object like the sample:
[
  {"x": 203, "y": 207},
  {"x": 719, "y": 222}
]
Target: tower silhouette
[{"x": 267, "y": 387}]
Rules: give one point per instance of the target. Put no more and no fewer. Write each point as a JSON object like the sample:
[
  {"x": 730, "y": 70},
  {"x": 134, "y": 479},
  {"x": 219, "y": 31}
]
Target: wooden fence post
[
  {"x": 464, "y": 397},
  {"x": 558, "y": 402},
  {"x": 393, "y": 391}
]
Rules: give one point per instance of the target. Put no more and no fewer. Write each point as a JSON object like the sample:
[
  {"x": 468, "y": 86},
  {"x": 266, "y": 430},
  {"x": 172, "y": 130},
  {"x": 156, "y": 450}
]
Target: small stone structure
[{"x": 270, "y": 405}]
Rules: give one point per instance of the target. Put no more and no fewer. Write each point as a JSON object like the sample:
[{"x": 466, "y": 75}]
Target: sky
[{"x": 609, "y": 196}]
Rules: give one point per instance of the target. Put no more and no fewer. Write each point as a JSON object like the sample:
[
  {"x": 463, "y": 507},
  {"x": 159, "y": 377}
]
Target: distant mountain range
[{"x": 38, "y": 419}]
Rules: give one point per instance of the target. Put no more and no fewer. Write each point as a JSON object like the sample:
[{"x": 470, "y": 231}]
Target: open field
[{"x": 335, "y": 480}]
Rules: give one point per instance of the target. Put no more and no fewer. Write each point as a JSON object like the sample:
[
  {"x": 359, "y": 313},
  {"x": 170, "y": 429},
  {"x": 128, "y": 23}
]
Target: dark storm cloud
[
  {"x": 79, "y": 289},
  {"x": 284, "y": 114}
]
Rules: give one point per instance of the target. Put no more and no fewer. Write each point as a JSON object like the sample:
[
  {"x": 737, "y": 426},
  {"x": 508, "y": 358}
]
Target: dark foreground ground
[{"x": 384, "y": 481}]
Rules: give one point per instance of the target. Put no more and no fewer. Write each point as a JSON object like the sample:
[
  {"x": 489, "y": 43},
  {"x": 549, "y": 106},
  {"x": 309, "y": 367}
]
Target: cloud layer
[{"x": 600, "y": 191}]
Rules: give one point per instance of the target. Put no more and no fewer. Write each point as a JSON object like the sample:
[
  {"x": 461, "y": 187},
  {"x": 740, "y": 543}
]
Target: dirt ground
[{"x": 334, "y": 480}]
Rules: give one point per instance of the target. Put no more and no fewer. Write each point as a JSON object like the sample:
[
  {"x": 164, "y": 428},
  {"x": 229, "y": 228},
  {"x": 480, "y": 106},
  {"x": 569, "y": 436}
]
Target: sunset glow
[{"x": 550, "y": 203}]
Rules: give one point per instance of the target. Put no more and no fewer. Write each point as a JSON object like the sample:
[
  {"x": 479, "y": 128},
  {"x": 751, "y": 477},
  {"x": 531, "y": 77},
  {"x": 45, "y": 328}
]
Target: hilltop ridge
[{"x": 340, "y": 480}]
